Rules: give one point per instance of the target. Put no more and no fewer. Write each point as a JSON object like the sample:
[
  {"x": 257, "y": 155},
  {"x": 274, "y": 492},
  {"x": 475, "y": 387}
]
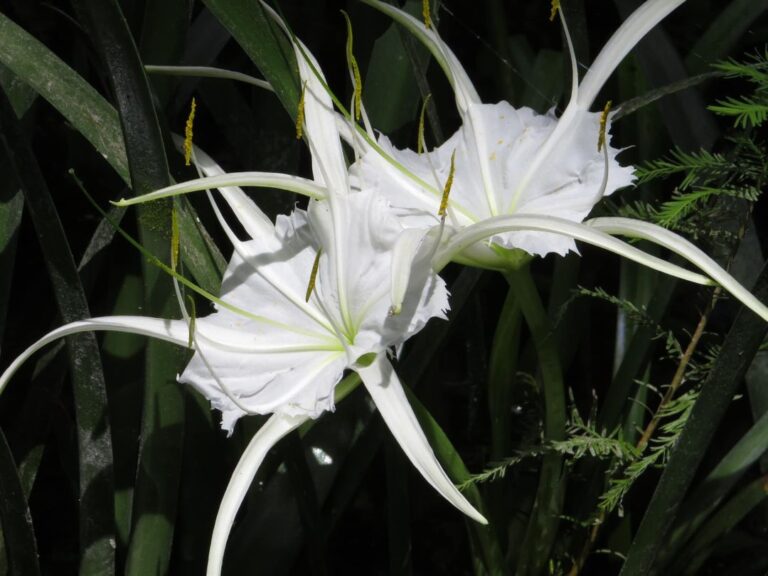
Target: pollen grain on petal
[
  {"x": 603, "y": 125},
  {"x": 188, "y": 130},
  {"x": 443, "y": 210},
  {"x": 313, "y": 275}
]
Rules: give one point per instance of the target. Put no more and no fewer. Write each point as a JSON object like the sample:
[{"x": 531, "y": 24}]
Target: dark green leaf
[
  {"x": 96, "y": 485},
  {"x": 156, "y": 492},
  {"x": 20, "y": 545},
  {"x": 264, "y": 43}
]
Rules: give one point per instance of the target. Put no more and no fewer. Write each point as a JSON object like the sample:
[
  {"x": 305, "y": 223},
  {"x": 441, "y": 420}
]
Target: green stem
[
  {"x": 501, "y": 376},
  {"x": 543, "y": 524}
]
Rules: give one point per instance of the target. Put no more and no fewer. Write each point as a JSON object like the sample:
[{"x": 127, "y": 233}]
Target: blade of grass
[
  {"x": 635, "y": 358},
  {"x": 688, "y": 122},
  {"x": 306, "y": 500},
  {"x": 161, "y": 440},
  {"x": 454, "y": 466},
  {"x": 390, "y": 94},
  {"x": 740, "y": 346},
  {"x": 21, "y": 95},
  {"x": 264, "y": 44},
  {"x": 96, "y": 484},
  {"x": 398, "y": 510},
  {"x": 724, "y": 34},
  {"x": 545, "y": 518},
  {"x": 18, "y": 533},
  {"x": 703, "y": 545},
  {"x": 90, "y": 114},
  {"x": 716, "y": 486},
  {"x": 163, "y": 34},
  {"x": 11, "y": 208},
  {"x": 502, "y": 372}
]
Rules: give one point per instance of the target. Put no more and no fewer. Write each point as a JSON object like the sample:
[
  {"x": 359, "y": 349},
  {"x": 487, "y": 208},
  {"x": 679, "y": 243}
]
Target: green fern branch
[{"x": 747, "y": 111}]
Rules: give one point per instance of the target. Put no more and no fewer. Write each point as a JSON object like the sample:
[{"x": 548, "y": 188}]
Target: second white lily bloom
[{"x": 511, "y": 161}]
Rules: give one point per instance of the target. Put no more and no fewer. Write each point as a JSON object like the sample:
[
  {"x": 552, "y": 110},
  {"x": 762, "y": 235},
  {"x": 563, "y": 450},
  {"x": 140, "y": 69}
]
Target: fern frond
[
  {"x": 693, "y": 164},
  {"x": 748, "y": 112},
  {"x": 755, "y": 68}
]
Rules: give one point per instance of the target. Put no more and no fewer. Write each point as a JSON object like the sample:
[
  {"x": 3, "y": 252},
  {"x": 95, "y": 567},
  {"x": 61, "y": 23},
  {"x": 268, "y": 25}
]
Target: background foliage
[{"x": 661, "y": 467}]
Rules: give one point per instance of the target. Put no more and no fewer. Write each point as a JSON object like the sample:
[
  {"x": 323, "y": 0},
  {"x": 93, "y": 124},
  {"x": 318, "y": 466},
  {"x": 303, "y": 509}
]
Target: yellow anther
[
  {"x": 443, "y": 210},
  {"x": 313, "y": 275},
  {"x": 300, "y": 114},
  {"x": 426, "y": 13},
  {"x": 421, "y": 144},
  {"x": 174, "y": 238},
  {"x": 352, "y": 61},
  {"x": 603, "y": 124},
  {"x": 555, "y": 8},
  {"x": 188, "y": 133},
  {"x": 192, "y": 320},
  {"x": 358, "y": 87}
]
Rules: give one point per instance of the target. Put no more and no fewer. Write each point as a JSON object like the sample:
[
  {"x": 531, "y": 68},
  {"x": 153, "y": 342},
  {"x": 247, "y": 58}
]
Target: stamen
[
  {"x": 426, "y": 14},
  {"x": 300, "y": 114},
  {"x": 174, "y": 238},
  {"x": 192, "y": 319},
  {"x": 188, "y": 133},
  {"x": 352, "y": 61},
  {"x": 313, "y": 275},
  {"x": 555, "y": 9},
  {"x": 421, "y": 143},
  {"x": 443, "y": 210},
  {"x": 603, "y": 124}
]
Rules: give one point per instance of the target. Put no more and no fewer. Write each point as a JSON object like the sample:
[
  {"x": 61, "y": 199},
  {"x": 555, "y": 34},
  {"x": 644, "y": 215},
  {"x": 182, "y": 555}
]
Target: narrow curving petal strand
[
  {"x": 387, "y": 392},
  {"x": 174, "y": 331},
  {"x": 589, "y": 234},
  {"x": 254, "y": 179},
  {"x": 273, "y": 430},
  {"x": 632, "y": 30},
  {"x": 253, "y": 220},
  {"x": 681, "y": 246}
]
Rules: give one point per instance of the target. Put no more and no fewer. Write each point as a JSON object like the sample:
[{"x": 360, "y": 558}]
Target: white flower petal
[
  {"x": 583, "y": 232},
  {"x": 254, "y": 221},
  {"x": 372, "y": 232},
  {"x": 568, "y": 184},
  {"x": 384, "y": 387},
  {"x": 328, "y": 164},
  {"x": 681, "y": 246},
  {"x": 268, "y": 435},
  {"x": 255, "y": 179},
  {"x": 457, "y": 76},
  {"x": 403, "y": 255},
  {"x": 295, "y": 383},
  {"x": 174, "y": 331},
  {"x": 639, "y": 23}
]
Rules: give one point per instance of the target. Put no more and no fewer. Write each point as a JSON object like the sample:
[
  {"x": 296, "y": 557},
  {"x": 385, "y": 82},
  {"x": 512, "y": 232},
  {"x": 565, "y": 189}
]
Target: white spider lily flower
[
  {"x": 524, "y": 182},
  {"x": 510, "y": 161},
  {"x": 332, "y": 288}
]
